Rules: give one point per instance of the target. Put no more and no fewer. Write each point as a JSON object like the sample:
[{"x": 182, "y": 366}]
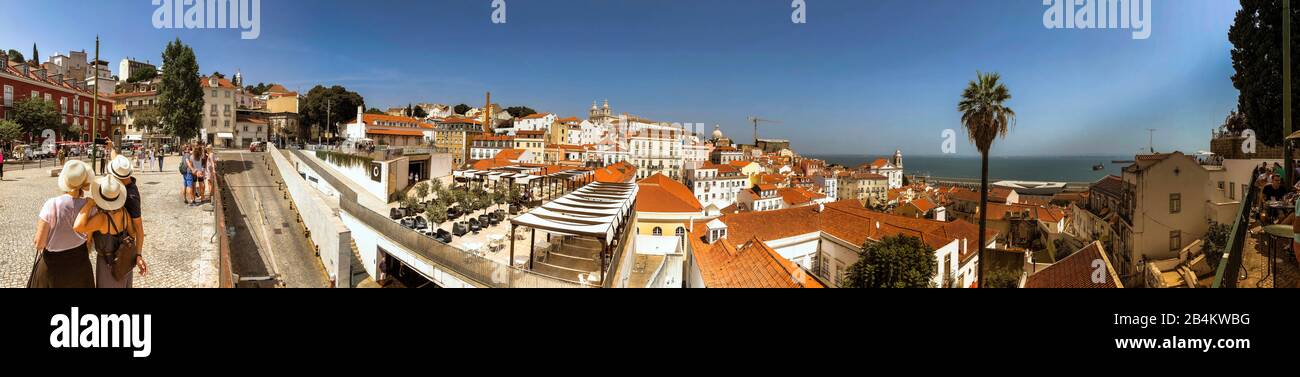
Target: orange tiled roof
[
  {"x": 527, "y": 134},
  {"x": 848, "y": 221},
  {"x": 658, "y": 193},
  {"x": 537, "y": 116},
  {"x": 924, "y": 205},
  {"x": 799, "y": 196},
  {"x": 509, "y": 154},
  {"x": 740, "y": 164},
  {"x": 621, "y": 172},
  {"x": 223, "y": 83},
  {"x": 754, "y": 265},
  {"x": 1076, "y": 270}
]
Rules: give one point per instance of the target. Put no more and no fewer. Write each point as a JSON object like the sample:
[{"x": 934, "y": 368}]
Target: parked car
[
  {"x": 475, "y": 225},
  {"x": 442, "y": 236},
  {"x": 460, "y": 229}
]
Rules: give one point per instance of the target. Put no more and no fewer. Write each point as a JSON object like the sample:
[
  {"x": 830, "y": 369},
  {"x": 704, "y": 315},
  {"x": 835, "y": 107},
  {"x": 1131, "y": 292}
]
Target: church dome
[{"x": 717, "y": 131}]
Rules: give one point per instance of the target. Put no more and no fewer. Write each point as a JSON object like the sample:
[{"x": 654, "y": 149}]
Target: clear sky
[{"x": 860, "y": 77}]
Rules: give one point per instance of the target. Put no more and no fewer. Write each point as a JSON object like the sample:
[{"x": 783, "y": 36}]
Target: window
[
  {"x": 35, "y": 95},
  {"x": 48, "y": 97},
  {"x": 9, "y": 95},
  {"x": 681, "y": 232},
  {"x": 1232, "y": 192},
  {"x": 63, "y": 105},
  {"x": 1175, "y": 240},
  {"x": 1175, "y": 203},
  {"x": 657, "y": 231}
]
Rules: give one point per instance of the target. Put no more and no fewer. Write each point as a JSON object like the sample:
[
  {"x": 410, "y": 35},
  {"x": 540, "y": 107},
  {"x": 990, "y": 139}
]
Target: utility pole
[
  {"x": 1289, "y": 174},
  {"x": 328, "y": 111},
  {"x": 94, "y": 124}
]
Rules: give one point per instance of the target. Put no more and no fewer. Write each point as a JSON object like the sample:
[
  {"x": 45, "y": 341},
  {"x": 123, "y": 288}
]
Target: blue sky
[{"x": 860, "y": 77}]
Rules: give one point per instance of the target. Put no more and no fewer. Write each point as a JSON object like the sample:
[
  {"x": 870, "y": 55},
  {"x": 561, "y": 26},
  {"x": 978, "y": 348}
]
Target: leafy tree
[
  {"x": 436, "y": 212},
  {"x": 9, "y": 131},
  {"x": 1216, "y": 241},
  {"x": 140, "y": 75},
  {"x": 514, "y": 195},
  {"x": 461, "y": 109},
  {"x": 16, "y": 57},
  {"x": 1256, "y": 37},
  {"x": 35, "y": 115},
  {"x": 894, "y": 262},
  {"x": 986, "y": 118},
  {"x": 180, "y": 98},
  {"x": 422, "y": 190},
  {"x": 1002, "y": 278},
  {"x": 418, "y": 112},
  {"x": 520, "y": 111},
  {"x": 326, "y": 108},
  {"x": 410, "y": 202},
  {"x": 147, "y": 119},
  {"x": 375, "y": 111},
  {"x": 218, "y": 74},
  {"x": 36, "y": 57},
  {"x": 435, "y": 186}
]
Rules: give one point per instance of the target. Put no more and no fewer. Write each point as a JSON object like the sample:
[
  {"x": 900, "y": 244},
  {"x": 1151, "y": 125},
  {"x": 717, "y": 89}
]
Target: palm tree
[{"x": 985, "y": 117}]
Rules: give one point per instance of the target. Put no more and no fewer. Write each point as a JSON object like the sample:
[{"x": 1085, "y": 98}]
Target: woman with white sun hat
[
  {"x": 62, "y": 259},
  {"x": 109, "y": 226}
]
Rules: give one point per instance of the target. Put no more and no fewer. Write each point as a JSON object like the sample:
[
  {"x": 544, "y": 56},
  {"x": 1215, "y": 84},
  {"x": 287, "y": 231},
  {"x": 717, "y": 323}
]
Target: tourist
[
  {"x": 187, "y": 193},
  {"x": 121, "y": 170},
  {"x": 197, "y": 173},
  {"x": 158, "y": 152},
  {"x": 63, "y": 261},
  {"x": 2, "y": 164},
  {"x": 63, "y": 156},
  {"x": 109, "y": 226}
]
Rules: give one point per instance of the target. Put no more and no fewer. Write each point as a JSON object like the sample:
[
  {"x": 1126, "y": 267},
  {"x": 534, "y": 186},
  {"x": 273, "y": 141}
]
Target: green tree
[
  {"x": 35, "y": 115},
  {"x": 422, "y": 190},
  {"x": 1216, "y": 241},
  {"x": 1256, "y": 37},
  {"x": 16, "y": 57},
  {"x": 894, "y": 262},
  {"x": 986, "y": 118},
  {"x": 326, "y": 108},
  {"x": 218, "y": 74},
  {"x": 180, "y": 98},
  {"x": 436, "y": 212},
  {"x": 147, "y": 119},
  {"x": 141, "y": 75},
  {"x": 418, "y": 112},
  {"x": 1002, "y": 278},
  {"x": 9, "y": 131},
  {"x": 36, "y": 56},
  {"x": 375, "y": 111},
  {"x": 461, "y": 109},
  {"x": 520, "y": 111}
]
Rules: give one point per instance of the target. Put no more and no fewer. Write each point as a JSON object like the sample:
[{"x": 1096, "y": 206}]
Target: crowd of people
[
  {"x": 102, "y": 213},
  {"x": 1276, "y": 198}
]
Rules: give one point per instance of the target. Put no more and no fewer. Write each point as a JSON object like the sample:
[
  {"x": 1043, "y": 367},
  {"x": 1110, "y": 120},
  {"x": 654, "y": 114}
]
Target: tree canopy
[
  {"x": 1256, "y": 37},
  {"x": 327, "y": 107},
  {"x": 35, "y": 115},
  {"x": 894, "y": 262},
  {"x": 15, "y": 56},
  {"x": 180, "y": 98},
  {"x": 461, "y": 109},
  {"x": 142, "y": 75},
  {"x": 418, "y": 112},
  {"x": 10, "y": 131},
  {"x": 520, "y": 111}
]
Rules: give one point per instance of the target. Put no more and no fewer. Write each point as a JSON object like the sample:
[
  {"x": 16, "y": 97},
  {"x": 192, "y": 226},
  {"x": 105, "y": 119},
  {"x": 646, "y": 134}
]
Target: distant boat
[{"x": 1099, "y": 167}]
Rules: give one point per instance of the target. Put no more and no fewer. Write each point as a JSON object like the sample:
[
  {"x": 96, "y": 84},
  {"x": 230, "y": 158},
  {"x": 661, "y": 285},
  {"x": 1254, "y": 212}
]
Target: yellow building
[
  {"x": 456, "y": 136},
  {"x": 665, "y": 207}
]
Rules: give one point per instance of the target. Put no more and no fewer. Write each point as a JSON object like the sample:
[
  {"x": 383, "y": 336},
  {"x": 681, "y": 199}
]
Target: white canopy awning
[
  {"x": 225, "y": 135},
  {"x": 597, "y": 210}
]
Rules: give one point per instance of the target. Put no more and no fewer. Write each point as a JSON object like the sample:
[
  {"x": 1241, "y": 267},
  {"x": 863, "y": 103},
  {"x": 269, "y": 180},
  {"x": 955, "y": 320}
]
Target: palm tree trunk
[{"x": 984, "y": 206}]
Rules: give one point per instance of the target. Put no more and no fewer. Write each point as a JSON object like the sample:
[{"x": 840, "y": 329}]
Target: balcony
[{"x": 1256, "y": 255}]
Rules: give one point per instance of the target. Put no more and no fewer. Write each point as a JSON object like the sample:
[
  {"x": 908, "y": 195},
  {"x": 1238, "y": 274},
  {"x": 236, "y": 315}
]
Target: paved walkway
[
  {"x": 268, "y": 240},
  {"x": 179, "y": 245}
]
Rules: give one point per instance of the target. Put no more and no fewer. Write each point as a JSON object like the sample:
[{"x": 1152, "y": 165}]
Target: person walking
[
  {"x": 198, "y": 172},
  {"x": 121, "y": 170},
  {"x": 2, "y": 164},
  {"x": 158, "y": 152},
  {"x": 187, "y": 193},
  {"x": 63, "y": 260},
  {"x": 105, "y": 219},
  {"x": 63, "y": 156}
]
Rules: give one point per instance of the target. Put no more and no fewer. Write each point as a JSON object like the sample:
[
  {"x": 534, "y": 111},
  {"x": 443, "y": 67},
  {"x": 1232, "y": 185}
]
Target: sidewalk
[{"x": 180, "y": 247}]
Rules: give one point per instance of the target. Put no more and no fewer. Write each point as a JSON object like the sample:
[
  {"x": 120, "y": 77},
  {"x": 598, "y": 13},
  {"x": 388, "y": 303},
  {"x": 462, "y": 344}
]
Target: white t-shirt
[{"x": 60, "y": 213}]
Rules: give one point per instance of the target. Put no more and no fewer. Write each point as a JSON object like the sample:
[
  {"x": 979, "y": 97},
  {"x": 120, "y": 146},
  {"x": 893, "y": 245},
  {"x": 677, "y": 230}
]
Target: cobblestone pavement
[{"x": 179, "y": 244}]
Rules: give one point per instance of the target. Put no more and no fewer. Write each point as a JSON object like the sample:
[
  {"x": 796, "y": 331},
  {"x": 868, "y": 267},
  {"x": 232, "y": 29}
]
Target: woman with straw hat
[
  {"x": 108, "y": 224},
  {"x": 62, "y": 259}
]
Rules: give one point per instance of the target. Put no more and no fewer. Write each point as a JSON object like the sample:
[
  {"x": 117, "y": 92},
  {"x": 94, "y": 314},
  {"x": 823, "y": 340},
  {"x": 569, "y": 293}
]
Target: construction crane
[{"x": 756, "y": 121}]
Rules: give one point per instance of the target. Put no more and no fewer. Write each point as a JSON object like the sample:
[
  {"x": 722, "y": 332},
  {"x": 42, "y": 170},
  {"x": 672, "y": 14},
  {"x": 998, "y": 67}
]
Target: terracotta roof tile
[
  {"x": 658, "y": 193},
  {"x": 754, "y": 265},
  {"x": 1076, "y": 271}
]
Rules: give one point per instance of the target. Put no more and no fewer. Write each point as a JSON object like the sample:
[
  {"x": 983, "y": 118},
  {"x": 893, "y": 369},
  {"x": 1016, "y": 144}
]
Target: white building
[
  {"x": 219, "y": 112},
  {"x": 128, "y": 67},
  {"x": 760, "y": 198},
  {"x": 890, "y": 169},
  {"x": 717, "y": 185},
  {"x": 655, "y": 151},
  {"x": 535, "y": 122},
  {"x": 101, "y": 78}
]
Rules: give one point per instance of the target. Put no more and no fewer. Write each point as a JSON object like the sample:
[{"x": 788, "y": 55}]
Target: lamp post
[{"x": 1286, "y": 94}]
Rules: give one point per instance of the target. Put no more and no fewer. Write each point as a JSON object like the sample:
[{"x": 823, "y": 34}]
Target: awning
[{"x": 225, "y": 135}]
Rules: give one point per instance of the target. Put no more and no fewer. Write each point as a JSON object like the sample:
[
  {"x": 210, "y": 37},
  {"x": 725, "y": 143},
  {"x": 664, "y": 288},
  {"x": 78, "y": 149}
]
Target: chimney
[{"x": 361, "y": 110}]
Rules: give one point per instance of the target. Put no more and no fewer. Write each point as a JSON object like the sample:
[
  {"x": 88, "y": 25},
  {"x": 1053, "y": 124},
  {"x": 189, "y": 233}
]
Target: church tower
[{"x": 898, "y": 159}]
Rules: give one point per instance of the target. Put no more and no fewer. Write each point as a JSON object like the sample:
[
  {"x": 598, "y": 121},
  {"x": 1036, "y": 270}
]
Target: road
[{"x": 268, "y": 240}]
